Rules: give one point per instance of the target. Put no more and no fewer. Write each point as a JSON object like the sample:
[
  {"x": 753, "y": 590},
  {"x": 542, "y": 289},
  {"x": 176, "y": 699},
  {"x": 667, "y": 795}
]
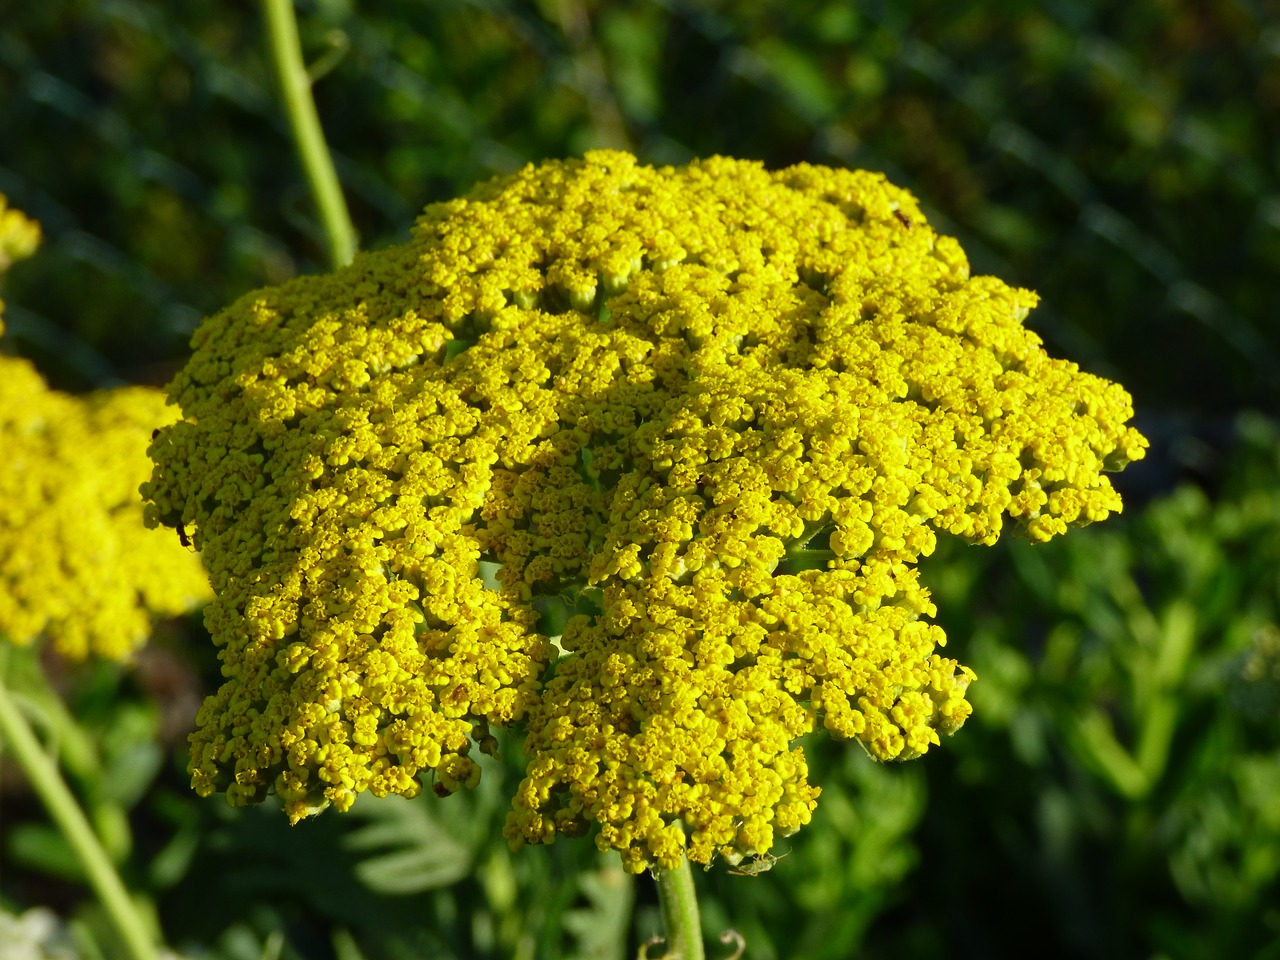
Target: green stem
[
  {"x": 317, "y": 162},
  {"x": 680, "y": 922},
  {"x": 1096, "y": 739},
  {"x": 42, "y": 773}
]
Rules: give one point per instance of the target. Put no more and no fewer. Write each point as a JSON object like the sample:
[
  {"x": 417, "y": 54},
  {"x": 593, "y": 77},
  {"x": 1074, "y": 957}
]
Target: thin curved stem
[
  {"x": 308, "y": 137},
  {"x": 16, "y": 735},
  {"x": 679, "y": 901}
]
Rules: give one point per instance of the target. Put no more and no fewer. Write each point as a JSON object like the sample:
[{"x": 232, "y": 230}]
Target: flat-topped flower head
[{"x": 699, "y": 423}]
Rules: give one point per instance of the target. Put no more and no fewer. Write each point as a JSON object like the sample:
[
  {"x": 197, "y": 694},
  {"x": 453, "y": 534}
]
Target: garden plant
[{"x": 624, "y": 519}]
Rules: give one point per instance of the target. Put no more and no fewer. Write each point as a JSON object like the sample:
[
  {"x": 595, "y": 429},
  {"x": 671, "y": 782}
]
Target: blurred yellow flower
[
  {"x": 77, "y": 564},
  {"x": 698, "y": 422},
  {"x": 19, "y": 235}
]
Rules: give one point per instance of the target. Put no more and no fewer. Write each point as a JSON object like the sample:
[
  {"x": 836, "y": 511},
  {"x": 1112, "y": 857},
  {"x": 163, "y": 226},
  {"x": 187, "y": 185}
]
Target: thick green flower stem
[
  {"x": 17, "y": 737},
  {"x": 681, "y": 926},
  {"x": 295, "y": 88}
]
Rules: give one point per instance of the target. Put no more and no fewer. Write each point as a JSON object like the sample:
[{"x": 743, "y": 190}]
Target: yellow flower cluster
[
  {"x": 77, "y": 565},
  {"x": 76, "y": 562},
  {"x": 700, "y": 423},
  {"x": 19, "y": 235}
]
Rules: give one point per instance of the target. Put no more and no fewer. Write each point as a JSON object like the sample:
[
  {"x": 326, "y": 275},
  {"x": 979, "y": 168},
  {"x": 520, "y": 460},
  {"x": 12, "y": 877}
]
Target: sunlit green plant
[{"x": 1130, "y": 690}]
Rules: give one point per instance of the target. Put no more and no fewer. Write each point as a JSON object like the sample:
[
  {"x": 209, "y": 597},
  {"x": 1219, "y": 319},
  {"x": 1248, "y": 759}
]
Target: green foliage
[
  {"x": 407, "y": 850},
  {"x": 1128, "y": 710},
  {"x": 1114, "y": 793}
]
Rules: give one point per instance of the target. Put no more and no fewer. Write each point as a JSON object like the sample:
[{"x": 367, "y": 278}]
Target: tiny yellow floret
[{"x": 712, "y": 414}]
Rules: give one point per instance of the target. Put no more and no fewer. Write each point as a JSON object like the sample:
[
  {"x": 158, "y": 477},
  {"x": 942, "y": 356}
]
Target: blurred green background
[{"x": 1117, "y": 793}]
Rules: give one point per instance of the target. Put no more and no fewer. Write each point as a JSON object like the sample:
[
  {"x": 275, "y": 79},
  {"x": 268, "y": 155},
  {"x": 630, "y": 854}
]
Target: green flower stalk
[
  {"x": 78, "y": 567},
  {"x": 304, "y": 123},
  {"x": 641, "y": 461},
  {"x": 19, "y": 741}
]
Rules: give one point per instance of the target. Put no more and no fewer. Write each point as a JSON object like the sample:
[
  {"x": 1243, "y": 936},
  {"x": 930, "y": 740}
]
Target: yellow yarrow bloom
[
  {"x": 714, "y": 415},
  {"x": 77, "y": 564}
]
